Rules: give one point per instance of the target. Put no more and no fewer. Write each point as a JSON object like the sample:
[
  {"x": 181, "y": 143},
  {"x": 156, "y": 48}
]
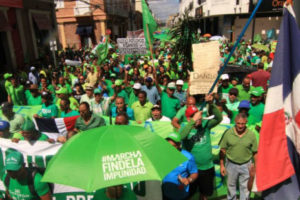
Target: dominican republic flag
[
  {"x": 55, "y": 127},
  {"x": 278, "y": 163}
]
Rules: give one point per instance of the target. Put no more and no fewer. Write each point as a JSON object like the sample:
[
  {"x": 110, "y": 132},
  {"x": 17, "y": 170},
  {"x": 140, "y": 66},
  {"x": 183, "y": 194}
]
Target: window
[
  {"x": 59, "y": 3},
  {"x": 237, "y": 2}
]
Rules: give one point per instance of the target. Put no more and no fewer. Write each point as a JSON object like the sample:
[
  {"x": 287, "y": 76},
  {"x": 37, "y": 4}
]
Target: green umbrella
[{"x": 112, "y": 155}]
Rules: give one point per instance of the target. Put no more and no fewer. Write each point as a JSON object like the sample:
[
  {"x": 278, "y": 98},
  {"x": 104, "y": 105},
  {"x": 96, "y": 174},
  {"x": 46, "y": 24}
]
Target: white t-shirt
[{"x": 163, "y": 119}]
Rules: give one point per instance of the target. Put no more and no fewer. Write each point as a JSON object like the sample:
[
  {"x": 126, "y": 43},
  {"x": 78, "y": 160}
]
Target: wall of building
[
  {"x": 262, "y": 25},
  {"x": 225, "y": 7}
]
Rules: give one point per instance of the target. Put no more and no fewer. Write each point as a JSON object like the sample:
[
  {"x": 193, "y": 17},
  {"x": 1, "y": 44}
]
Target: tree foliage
[{"x": 184, "y": 34}]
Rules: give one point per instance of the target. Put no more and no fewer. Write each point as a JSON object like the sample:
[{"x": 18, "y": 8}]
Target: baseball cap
[
  {"x": 256, "y": 92},
  {"x": 137, "y": 86},
  {"x": 45, "y": 94},
  {"x": 190, "y": 111},
  {"x": 7, "y": 75},
  {"x": 224, "y": 77},
  {"x": 61, "y": 91},
  {"x": 14, "y": 161},
  {"x": 171, "y": 85},
  {"x": 97, "y": 91},
  {"x": 149, "y": 79},
  {"x": 4, "y": 125},
  {"x": 118, "y": 82},
  {"x": 156, "y": 107},
  {"x": 179, "y": 82},
  {"x": 244, "y": 104},
  {"x": 175, "y": 137},
  {"x": 32, "y": 68},
  {"x": 28, "y": 125}
]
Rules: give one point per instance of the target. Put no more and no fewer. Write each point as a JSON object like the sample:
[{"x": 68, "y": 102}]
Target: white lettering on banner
[
  {"x": 123, "y": 165},
  {"x": 131, "y": 46}
]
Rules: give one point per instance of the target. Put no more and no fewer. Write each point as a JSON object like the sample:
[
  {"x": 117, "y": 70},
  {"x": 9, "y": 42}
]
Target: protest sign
[
  {"x": 206, "y": 66},
  {"x": 72, "y": 62},
  {"x": 131, "y": 46}
]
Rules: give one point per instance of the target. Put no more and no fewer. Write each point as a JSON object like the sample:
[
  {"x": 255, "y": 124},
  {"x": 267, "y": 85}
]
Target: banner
[
  {"x": 206, "y": 66},
  {"x": 131, "y": 46},
  {"x": 135, "y": 34}
]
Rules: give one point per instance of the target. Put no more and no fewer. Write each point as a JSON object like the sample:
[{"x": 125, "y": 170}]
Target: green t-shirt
[
  {"x": 20, "y": 189},
  {"x": 239, "y": 149},
  {"x": 223, "y": 92},
  {"x": 132, "y": 98},
  {"x": 127, "y": 194},
  {"x": 17, "y": 95},
  {"x": 169, "y": 105},
  {"x": 49, "y": 111},
  {"x": 34, "y": 101},
  {"x": 243, "y": 94},
  {"x": 142, "y": 113},
  {"x": 181, "y": 114},
  {"x": 256, "y": 113},
  {"x": 69, "y": 114}
]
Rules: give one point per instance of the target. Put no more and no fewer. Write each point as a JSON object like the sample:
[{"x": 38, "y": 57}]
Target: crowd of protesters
[{"x": 139, "y": 89}]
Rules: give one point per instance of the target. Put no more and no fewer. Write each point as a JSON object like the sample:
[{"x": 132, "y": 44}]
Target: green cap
[
  {"x": 118, "y": 82},
  {"x": 97, "y": 91},
  {"x": 175, "y": 137},
  {"x": 113, "y": 75},
  {"x": 7, "y": 75},
  {"x": 28, "y": 125},
  {"x": 261, "y": 89},
  {"x": 14, "y": 161},
  {"x": 62, "y": 90},
  {"x": 256, "y": 92}
]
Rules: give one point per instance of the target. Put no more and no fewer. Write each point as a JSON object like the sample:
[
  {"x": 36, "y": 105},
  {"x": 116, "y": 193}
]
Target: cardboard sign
[{"x": 131, "y": 46}]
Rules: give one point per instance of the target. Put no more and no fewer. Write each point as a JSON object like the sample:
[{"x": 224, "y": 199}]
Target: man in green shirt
[
  {"x": 15, "y": 120},
  {"x": 16, "y": 93},
  {"x": 225, "y": 86},
  {"x": 66, "y": 110},
  {"x": 169, "y": 104},
  {"x": 23, "y": 183},
  {"x": 34, "y": 97},
  {"x": 239, "y": 145},
  {"x": 196, "y": 139},
  {"x": 244, "y": 89},
  {"x": 142, "y": 108},
  {"x": 257, "y": 108},
  {"x": 87, "y": 119},
  {"x": 49, "y": 110},
  {"x": 232, "y": 103}
]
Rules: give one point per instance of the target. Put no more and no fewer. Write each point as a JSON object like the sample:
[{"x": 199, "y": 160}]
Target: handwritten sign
[{"x": 131, "y": 46}]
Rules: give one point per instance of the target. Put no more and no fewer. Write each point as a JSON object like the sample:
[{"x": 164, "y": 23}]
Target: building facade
[
  {"x": 228, "y": 17},
  {"x": 26, "y": 28},
  {"x": 83, "y": 23}
]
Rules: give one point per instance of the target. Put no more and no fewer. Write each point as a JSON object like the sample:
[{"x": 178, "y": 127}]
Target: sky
[{"x": 164, "y": 8}]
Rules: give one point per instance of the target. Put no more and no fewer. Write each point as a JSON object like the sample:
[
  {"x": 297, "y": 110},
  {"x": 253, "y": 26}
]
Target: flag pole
[
  {"x": 233, "y": 49},
  {"x": 150, "y": 45}
]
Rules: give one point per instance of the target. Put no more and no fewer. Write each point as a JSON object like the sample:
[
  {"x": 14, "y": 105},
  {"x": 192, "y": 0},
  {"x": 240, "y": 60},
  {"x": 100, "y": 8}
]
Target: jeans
[{"x": 236, "y": 173}]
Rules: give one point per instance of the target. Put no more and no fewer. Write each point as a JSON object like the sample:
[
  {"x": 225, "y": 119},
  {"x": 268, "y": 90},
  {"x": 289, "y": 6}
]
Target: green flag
[
  {"x": 102, "y": 52},
  {"x": 149, "y": 21}
]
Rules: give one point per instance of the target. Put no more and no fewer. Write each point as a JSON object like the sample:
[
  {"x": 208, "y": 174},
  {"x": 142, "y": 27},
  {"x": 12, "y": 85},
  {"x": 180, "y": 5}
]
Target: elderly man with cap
[
  {"x": 196, "y": 139},
  {"x": 225, "y": 86},
  {"x": 169, "y": 104},
  {"x": 21, "y": 182},
  {"x": 100, "y": 104},
  {"x": 34, "y": 98},
  {"x": 151, "y": 90},
  {"x": 179, "y": 93},
  {"x": 157, "y": 116},
  {"x": 15, "y": 120},
  {"x": 30, "y": 134},
  {"x": 4, "y": 130},
  {"x": 89, "y": 95},
  {"x": 176, "y": 184},
  {"x": 257, "y": 108},
  {"x": 49, "y": 109},
  {"x": 142, "y": 108}
]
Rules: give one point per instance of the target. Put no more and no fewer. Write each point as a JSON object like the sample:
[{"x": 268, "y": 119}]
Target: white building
[{"x": 228, "y": 17}]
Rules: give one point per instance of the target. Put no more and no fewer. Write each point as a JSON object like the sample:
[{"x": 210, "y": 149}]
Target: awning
[
  {"x": 84, "y": 30},
  {"x": 4, "y": 25},
  {"x": 42, "y": 21}
]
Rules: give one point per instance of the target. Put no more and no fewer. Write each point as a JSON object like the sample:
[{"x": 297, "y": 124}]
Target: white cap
[
  {"x": 179, "y": 82},
  {"x": 224, "y": 77},
  {"x": 171, "y": 85},
  {"x": 137, "y": 86},
  {"x": 32, "y": 68},
  {"x": 254, "y": 54}
]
